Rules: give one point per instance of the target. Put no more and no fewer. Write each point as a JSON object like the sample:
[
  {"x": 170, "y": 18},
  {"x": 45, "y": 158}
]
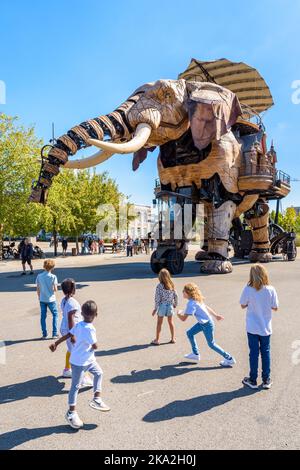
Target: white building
[
  {"x": 139, "y": 227},
  {"x": 142, "y": 224}
]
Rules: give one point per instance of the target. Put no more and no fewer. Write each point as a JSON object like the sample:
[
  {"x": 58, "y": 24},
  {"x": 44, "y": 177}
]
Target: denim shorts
[{"x": 165, "y": 310}]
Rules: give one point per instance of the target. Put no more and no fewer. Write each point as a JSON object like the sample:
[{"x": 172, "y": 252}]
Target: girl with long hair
[
  {"x": 166, "y": 300},
  {"x": 260, "y": 299},
  {"x": 203, "y": 314}
]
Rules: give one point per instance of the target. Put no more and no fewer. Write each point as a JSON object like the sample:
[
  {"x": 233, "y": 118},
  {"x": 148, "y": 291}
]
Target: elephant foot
[
  {"x": 256, "y": 257},
  {"x": 216, "y": 266},
  {"x": 202, "y": 255}
]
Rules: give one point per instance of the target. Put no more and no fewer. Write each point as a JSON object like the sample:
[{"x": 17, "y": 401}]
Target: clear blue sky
[{"x": 69, "y": 60}]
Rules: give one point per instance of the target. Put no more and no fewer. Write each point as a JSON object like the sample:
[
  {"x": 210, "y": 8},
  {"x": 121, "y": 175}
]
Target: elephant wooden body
[{"x": 208, "y": 143}]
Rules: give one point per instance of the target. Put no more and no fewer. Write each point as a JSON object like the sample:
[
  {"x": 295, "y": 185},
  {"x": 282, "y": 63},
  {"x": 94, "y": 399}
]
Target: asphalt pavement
[{"x": 158, "y": 400}]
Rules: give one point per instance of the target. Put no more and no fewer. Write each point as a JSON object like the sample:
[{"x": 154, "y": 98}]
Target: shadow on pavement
[
  {"x": 125, "y": 349},
  {"x": 164, "y": 372},
  {"x": 42, "y": 387},
  {"x": 14, "y": 282},
  {"x": 195, "y": 406},
  {"x": 20, "y": 341},
  {"x": 12, "y": 439}
]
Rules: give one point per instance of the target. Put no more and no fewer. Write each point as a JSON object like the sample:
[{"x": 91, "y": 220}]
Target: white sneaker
[
  {"x": 74, "y": 420},
  {"x": 67, "y": 373},
  {"x": 228, "y": 362},
  {"x": 98, "y": 404},
  {"x": 192, "y": 357},
  {"x": 87, "y": 382}
]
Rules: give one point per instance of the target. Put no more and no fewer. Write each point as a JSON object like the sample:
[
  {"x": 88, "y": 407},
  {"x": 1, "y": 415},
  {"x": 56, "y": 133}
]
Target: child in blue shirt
[
  {"x": 46, "y": 284},
  {"x": 203, "y": 314}
]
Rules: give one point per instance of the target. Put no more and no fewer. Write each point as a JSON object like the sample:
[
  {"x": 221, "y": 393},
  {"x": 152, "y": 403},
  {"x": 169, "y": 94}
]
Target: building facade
[{"x": 140, "y": 223}]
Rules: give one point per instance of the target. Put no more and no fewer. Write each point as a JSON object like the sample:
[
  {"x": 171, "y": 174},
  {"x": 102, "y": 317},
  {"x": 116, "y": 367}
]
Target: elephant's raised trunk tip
[{"x": 115, "y": 126}]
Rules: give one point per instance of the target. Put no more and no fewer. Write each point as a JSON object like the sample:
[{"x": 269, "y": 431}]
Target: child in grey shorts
[{"x": 83, "y": 337}]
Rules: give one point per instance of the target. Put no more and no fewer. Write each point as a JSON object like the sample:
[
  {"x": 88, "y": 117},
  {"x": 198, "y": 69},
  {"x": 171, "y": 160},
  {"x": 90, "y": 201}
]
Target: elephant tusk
[
  {"x": 88, "y": 162},
  {"x": 141, "y": 136}
]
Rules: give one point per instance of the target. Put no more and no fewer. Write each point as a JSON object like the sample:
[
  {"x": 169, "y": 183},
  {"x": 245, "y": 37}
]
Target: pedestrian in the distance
[
  {"x": 129, "y": 246},
  {"x": 86, "y": 246},
  {"x": 46, "y": 284},
  {"x": 146, "y": 243},
  {"x": 64, "y": 245},
  {"x": 101, "y": 246},
  {"x": 203, "y": 314},
  {"x": 260, "y": 299},
  {"x": 27, "y": 255},
  {"x": 166, "y": 300},
  {"x": 83, "y": 337}
]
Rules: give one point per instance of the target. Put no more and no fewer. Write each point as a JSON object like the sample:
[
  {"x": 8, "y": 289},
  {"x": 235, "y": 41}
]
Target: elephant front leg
[
  {"x": 258, "y": 221},
  {"x": 218, "y": 226}
]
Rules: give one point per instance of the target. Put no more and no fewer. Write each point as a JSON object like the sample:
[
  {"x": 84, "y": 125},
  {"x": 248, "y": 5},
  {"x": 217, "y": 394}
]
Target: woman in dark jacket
[{"x": 27, "y": 255}]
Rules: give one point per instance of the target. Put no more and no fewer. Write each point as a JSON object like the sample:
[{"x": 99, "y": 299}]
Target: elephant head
[{"x": 153, "y": 115}]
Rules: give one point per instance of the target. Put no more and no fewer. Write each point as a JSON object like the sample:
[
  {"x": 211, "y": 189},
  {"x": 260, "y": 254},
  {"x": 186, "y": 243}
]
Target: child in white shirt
[
  {"x": 83, "y": 337},
  {"x": 259, "y": 298}
]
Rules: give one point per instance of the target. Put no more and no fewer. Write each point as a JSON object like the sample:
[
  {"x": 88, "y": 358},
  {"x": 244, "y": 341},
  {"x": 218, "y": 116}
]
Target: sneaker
[
  {"x": 45, "y": 337},
  {"x": 98, "y": 404},
  {"x": 192, "y": 357},
  {"x": 67, "y": 373},
  {"x": 250, "y": 383},
  {"x": 87, "y": 382},
  {"x": 228, "y": 362},
  {"x": 23, "y": 274},
  {"x": 55, "y": 336},
  {"x": 74, "y": 420},
  {"x": 267, "y": 384},
  {"x": 31, "y": 272}
]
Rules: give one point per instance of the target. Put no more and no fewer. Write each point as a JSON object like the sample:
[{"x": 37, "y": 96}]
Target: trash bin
[{"x": 74, "y": 252}]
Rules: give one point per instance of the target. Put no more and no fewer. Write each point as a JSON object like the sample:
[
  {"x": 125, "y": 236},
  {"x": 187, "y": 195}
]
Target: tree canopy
[
  {"x": 288, "y": 219},
  {"x": 74, "y": 197},
  {"x": 19, "y": 150}
]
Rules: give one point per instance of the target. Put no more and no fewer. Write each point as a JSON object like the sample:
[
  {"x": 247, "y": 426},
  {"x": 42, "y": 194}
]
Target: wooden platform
[{"x": 255, "y": 182}]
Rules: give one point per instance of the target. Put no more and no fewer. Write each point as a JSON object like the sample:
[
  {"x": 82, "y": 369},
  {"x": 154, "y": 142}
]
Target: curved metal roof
[{"x": 240, "y": 78}]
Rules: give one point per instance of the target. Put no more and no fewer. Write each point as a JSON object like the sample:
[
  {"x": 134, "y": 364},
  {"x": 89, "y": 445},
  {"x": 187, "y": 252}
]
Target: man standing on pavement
[
  {"x": 27, "y": 255},
  {"x": 64, "y": 245}
]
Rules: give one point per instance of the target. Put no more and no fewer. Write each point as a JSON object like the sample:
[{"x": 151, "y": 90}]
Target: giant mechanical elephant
[{"x": 196, "y": 116}]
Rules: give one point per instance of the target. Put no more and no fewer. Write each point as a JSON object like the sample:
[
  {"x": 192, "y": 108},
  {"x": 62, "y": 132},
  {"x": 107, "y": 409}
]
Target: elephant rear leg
[
  {"x": 258, "y": 221},
  {"x": 219, "y": 222}
]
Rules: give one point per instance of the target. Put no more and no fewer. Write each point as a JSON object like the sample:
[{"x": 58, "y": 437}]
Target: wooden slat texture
[
  {"x": 224, "y": 159},
  {"x": 243, "y": 80}
]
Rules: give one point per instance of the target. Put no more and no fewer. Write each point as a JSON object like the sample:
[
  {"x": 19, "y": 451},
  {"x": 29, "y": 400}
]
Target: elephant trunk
[{"x": 115, "y": 126}]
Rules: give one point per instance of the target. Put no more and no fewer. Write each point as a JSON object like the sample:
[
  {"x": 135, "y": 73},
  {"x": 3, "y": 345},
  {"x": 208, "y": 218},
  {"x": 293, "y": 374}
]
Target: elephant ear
[
  {"x": 140, "y": 156},
  {"x": 212, "y": 111}
]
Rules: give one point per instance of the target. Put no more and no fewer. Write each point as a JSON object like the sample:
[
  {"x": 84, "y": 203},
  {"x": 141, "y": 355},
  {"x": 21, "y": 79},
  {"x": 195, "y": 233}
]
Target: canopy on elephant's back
[{"x": 240, "y": 78}]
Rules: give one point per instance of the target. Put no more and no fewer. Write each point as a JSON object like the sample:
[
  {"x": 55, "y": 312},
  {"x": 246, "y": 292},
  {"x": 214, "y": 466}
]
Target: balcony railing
[{"x": 283, "y": 177}]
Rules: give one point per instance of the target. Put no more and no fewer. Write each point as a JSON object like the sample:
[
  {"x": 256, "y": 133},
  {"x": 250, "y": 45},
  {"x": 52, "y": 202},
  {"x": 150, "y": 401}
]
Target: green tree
[
  {"x": 19, "y": 150},
  {"x": 297, "y": 225},
  {"x": 289, "y": 219},
  {"x": 74, "y": 200},
  {"x": 58, "y": 216}
]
